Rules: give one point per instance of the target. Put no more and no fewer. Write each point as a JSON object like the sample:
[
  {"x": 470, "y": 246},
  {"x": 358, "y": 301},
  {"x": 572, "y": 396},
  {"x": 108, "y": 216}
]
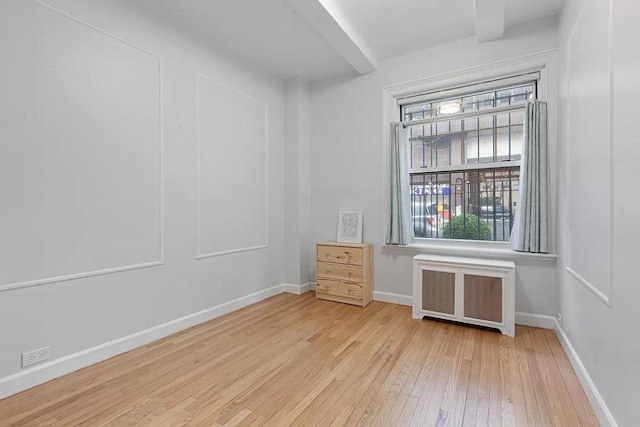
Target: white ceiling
[{"x": 292, "y": 38}]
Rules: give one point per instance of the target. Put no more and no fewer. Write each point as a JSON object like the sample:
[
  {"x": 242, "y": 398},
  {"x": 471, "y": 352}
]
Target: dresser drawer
[
  {"x": 339, "y": 271},
  {"x": 339, "y": 288},
  {"x": 342, "y": 255}
]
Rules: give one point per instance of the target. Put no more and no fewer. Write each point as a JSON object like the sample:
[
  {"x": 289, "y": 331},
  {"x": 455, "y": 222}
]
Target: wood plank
[{"x": 295, "y": 360}]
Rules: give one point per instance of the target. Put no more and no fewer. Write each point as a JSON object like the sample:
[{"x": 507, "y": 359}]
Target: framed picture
[{"x": 349, "y": 226}]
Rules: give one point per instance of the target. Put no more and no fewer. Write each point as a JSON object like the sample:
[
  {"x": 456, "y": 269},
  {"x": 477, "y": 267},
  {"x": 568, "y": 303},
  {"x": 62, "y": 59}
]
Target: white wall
[
  {"x": 297, "y": 258},
  {"x": 600, "y": 301},
  {"x": 347, "y": 153},
  {"x": 100, "y": 147}
]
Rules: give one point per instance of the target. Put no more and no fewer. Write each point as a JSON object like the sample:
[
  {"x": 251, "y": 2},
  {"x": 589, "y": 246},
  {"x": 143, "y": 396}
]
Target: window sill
[{"x": 496, "y": 252}]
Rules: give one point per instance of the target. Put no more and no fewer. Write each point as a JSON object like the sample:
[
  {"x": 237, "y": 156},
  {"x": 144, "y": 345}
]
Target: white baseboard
[
  {"x": 393, "y": 298},
  {"x": 296, "y": 289},
  {"x": 58, "y": 367},
  {"x": 535, "y": 320},
  {"x": 597, "y": 402}
]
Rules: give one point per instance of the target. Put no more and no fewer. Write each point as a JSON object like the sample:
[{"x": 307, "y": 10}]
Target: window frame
[
  {"x": 494, "y": 86},
  {"x": 544, "y": 63}
]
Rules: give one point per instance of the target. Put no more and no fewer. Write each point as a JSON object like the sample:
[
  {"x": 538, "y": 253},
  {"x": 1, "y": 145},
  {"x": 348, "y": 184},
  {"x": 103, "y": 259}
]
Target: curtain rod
[{"x": 464, "y": 115}]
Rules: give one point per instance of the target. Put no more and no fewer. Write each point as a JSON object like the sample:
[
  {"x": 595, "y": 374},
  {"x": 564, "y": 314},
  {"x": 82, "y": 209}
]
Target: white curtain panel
[
  {"x": 400, "y": 226},
  {"x": 530, "y": 228}
]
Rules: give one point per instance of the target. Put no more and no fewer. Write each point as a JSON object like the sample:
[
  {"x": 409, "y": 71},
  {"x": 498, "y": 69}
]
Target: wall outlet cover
[{"x": 36, "y": 356}]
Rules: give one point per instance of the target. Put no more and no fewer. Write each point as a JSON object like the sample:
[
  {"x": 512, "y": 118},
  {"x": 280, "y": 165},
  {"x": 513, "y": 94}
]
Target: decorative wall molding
[
  {"x": 601, "y": 296},
  {"x": 111, "y": 270},
  {"x": 606, "y": 298},
  {"x": 96, "y": 28},
  {"x": 597, "y": 402},
  {"x": 68, "y": 277},
  {"x": 231, "y": 251},
  {"x": 200, "y": 255}
]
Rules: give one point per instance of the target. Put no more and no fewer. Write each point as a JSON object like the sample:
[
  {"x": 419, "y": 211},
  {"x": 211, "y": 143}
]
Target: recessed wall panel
[
  {"x": 80, "y": 148},
  {"x": 438, "y": 291},
  {"x": 589, "y": 152},
  {"x": 232, "y": 170}
]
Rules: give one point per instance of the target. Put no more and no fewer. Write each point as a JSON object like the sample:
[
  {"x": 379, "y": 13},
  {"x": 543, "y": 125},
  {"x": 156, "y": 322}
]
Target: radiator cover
[{"x": 469, "y": 290}]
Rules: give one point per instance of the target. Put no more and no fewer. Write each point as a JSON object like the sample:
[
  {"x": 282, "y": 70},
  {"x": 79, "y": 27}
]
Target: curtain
[
  {"x": 400, "y": 226},
  {"x": 530, "y": 228}
]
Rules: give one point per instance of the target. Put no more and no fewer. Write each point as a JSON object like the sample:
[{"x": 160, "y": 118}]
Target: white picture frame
[{"x": 349, "y": 226}]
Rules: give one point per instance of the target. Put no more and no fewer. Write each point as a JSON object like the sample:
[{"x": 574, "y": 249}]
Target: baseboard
[
  {"x": 597, "y": 402},
  {"x": 39, "y": 374},
  {"x": 535, "y": 320},
  {"x": 392, "y": 298},
  {"x": 296, "y": 289}
]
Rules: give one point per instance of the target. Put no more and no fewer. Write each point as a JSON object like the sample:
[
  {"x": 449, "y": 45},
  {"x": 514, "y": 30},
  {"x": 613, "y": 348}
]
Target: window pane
[
  {"x": 471, "y": 146},
  {"x": 456, "y": 150},
  {"x": 485, "y": 122},
  {"x": 517, "y": 118},
  {"x": 486, "y": 145},
  {"x": 517, "y": 138},
  {"x": 503, "y": 119},
  {"x": 417, "y": 138},
  {"x": 491, "y": 144},
  {"x": 503, "y": 144},
  {"x": 442, "y": 128},
  {"x": 471, "y": 124},
  {"x": 455, "y": 126},
  {"x": 470, "y": 205}
]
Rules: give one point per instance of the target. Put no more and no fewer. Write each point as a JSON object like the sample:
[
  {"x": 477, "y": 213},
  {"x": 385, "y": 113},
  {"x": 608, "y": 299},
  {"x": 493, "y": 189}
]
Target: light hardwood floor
[{"x": 292, "y": 360}]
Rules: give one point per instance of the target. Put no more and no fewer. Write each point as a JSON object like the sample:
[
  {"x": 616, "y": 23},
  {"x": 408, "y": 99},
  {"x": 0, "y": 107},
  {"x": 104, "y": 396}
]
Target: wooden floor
[{"x": 292, "y": 360}]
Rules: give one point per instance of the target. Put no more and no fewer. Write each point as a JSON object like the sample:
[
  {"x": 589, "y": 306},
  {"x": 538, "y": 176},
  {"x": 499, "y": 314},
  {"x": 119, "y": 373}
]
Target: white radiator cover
[{"x": 469, "y": 290}]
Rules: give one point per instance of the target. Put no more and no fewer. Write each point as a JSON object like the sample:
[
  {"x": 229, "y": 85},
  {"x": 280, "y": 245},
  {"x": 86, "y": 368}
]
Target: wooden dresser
[{"x": 344, "y": 272}]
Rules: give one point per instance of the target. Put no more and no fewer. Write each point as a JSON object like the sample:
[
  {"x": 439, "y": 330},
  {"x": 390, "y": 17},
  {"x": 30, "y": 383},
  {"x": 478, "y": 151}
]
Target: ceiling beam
[
  {"x": 325, "y": 17},
  {"x": 489, "y": 19}
]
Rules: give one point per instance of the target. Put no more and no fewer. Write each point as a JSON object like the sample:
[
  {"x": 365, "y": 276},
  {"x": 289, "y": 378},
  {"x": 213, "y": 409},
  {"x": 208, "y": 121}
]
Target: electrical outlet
[{"x": 36, "y": 356}]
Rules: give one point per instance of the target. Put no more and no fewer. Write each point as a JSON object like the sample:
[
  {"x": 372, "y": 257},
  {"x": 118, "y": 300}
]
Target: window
[{"x": 465, "y": 165}]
